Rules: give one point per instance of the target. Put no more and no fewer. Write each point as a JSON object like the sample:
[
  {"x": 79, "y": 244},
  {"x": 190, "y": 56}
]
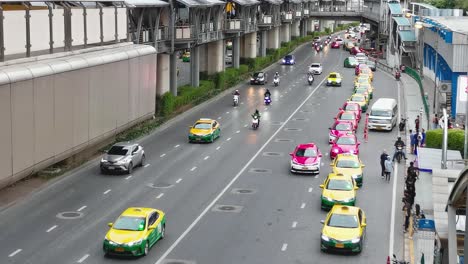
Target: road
[{"x": 276, "y": 221}]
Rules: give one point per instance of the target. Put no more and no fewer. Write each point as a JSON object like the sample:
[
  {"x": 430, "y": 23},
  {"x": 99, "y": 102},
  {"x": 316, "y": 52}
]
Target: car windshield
[
  {"x": 343, "y": 127},
  {"x": 118, "y": 150},
  {"x": 332, "y": 76},
  {"x": 352, "y": 107},
  {"x": 343, "y": 220},
  {"x": 341, "y": 185},
  {"x": 315, "y": 65},
  {"x": 338, "y": 39},
  {"x": 130, "y": 223},
  {"x": 361, "y": 91},
  {"x": 202, "y": 126},
  {"x": 371, "y": 63},
  {"x": 258, "y": 74},
  {"x": 346, "y": 141},
  {"x": 347, "y": 116},
  {"x": 360, "y": 55},
  {"x": 364, "y": 85},
  {"x": 347, "y": 164},
  {"x": 352, "y": 59},
  {"x": 288, "y": 57},
  {"x": 306, "y": 152},
  {"x": 358, "y": 98},
  {"x": 363, "y": 80},
  {"x": 382, "y": 113}
]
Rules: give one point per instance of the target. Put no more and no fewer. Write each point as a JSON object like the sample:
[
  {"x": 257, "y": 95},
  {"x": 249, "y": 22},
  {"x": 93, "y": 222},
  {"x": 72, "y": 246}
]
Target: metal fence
[{"x": 414, "y": 74}]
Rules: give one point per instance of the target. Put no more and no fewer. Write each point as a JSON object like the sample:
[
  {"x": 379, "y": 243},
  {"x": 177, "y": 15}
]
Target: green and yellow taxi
[
  {"x": 361, "y": 99},
  {"x": 368, "y": 87},
  {"x": 362, "y": 91},
  {"x": 367, "y": 71},
  {"x": 338, "y": 189},
  {"x": 349, "y": 164},
  {"x": 204, "y": 130},
  {"x": 344, "y": 229},
  {"x": 186, "y": 56},
  {"x": 350, "y": 62},
  {"x": 334, "y": 79},
  {"x": 135, "y": 231}
]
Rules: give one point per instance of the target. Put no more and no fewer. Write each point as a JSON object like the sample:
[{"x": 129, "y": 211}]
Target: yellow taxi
[
  {"x": 204, "y": 130},
  {"x": 367, "y": 71},
  {"x": 368, "y": 86},
  {"x": 135, "y": 231},
  {"x": 344, "y": 229},
  {"x": 349, "y": 164},
  {"x": 338, "y": 189},
  {"x": 362, "y": 77},
  {"x": 361, "y": 99},
  {"x": 334, "y": 79}
]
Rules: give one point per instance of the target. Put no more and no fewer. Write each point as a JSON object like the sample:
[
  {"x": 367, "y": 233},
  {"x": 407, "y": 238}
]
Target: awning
[
  {"x": 195, "y": 3},
  {"x": 407, "y": 35},
  {"x": 402, "y": 21},
  {"x": 275, "y": 2},
  {"x": 138, "y": 3},
  {"x": 246, "y": 2},
  {"x": 395, "y": 8}
]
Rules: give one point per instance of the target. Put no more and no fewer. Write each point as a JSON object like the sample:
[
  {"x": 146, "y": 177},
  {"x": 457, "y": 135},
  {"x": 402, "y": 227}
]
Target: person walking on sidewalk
[
  {"x": 416, "y": 123},
  {"x": 383, "y": 158},
  {"x": 422, "y": 141},
  {"x": 388, "y": 168},
  {"x": 412, "y": 140},
  {"x": 407, "y": 217},
  {"x": 435, "y": 122},
  {"x": 412, "y": 171}
]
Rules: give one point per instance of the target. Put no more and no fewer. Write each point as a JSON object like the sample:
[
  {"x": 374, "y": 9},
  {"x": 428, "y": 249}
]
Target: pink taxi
[
  {"x": 353, "y": 107},
  {"x": 345, "y": 144},
  {"x": 340, "y": 128},
  {"x": 306, "y": 159},
  {"x": 347, "y": 116}
]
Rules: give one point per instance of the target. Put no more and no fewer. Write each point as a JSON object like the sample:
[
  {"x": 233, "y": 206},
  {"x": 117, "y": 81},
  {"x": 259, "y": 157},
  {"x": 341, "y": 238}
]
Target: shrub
[{"x": 456, "y": 139}]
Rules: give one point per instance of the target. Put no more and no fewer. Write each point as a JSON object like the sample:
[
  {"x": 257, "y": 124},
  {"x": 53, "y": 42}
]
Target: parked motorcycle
[
  {"x": 310, "y": 79},
  {"x": 236, "y": 100},
  {"x": 267, "y": 100},
  {"x": 276, "y": 81},
  {"x": 255, "y": 123},
  {"x": 402, "y": 124}
]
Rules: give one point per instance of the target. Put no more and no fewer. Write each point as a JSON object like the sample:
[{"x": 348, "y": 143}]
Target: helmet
[
  {"x": 237, "y": 90},
  {"x": 399, "y": 138}
]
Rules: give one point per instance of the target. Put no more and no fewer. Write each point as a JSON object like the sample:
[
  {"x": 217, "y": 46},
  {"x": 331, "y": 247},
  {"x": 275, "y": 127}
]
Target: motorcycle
[
  {"x": 255, "y": 123},
  {"x": 396, "y": 261},
  {"x": 267, "y": 100},
  {"x": 310, "y": 79},
  {"x": 402, "y": 124},
  {"x": 399, "y": 153},
  {"x": 317, "y": 48},
  {"x": 397, "y": 75},
  {"x": 276, "y": 81},
  {"x": 236, "y": 100}
]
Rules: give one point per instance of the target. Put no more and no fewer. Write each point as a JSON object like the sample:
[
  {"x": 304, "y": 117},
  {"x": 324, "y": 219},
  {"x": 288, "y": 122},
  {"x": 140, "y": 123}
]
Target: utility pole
[
  {"x": 444, "y": 140},
  {"x": 465, "y": 147},
  {"x": 436, "y": 97}
]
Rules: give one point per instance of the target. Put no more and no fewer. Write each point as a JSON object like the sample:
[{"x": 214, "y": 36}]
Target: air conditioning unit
[{"x": 445, "y": 87}]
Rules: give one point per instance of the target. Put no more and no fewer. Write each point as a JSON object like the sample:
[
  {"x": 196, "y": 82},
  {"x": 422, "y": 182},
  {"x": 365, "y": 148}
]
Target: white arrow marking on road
[
  {"x": 219, "y": 117},
  {"x": 15, "y": 252},
  {"x": 160, "y": 195},
  {"x": 179, "y": 180},
  {"x": 303, "y": 205},
  {"x": 284, "y": 247},
  {"x": 81, "y": 208},
  {"x": 162, "y": 155},
  {"x": 52, "y": 228},
  {"x": 83, "y": 258},
  {"x": 310, "y": 189},
  {"x": 294, "y": 224},
  {"x": 106, "y": 192}
]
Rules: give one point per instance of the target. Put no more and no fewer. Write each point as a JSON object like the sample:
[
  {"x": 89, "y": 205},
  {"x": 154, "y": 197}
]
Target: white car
[
  {"x": 317, "y": 39},
  {"x": 316, "y": 68},
  {"x": 339, "y": 41}
]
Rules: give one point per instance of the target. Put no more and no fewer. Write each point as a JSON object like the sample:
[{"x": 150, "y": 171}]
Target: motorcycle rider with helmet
[{"x": 402, "y": 145}]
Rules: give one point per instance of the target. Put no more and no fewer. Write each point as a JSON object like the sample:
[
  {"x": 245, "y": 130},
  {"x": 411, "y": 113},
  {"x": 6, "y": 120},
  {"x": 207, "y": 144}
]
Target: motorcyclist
[
  {"x": 276, "y": 75},
  {"x": 236, "y": 92},
  {"x": 256, "y": 115},
  {"x": 399, "y": 143},
  {"x": 267, "y": 93},
  {"x": 309, "y": 74}
]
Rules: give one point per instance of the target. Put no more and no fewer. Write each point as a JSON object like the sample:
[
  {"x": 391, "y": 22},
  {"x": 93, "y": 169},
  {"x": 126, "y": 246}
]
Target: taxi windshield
[
  {"x": 357, "y": 98},
  {"x": 351, "y": 107},
  {"x": 130, "y": 223},
  {"x": 346, "y": 141},
  {"x": 347, "y": 164},
  {"x": 341, "y": 185},
  {"x": 343, "y": 127},
  {"x": 332, "y": 76},
  {"x": 202, "y": 126},
  {"x": 363, "y": 80},
  {"x": 306, "y": 152},
  {"x": 347, "y": 116},
  {"x": 343, "y": 220}
]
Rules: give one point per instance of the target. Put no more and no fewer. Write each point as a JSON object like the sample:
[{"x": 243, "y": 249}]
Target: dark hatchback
[
  {"x": 258, "y": 78},
  {"x": 289, "y": 60}
]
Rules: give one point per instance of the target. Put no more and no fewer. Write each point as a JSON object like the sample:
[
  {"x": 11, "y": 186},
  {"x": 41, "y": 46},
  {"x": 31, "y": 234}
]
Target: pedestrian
[
  {"x": 407, "y": 218},
  {"x": 416, "y": 142},
  {"x": 412, "y": 140},
  {"x": 412, "y": 171},
  {"x": 422, "y": 143},
  {"x": 435, "y": 122},
  {"x": 388, "y": 168},
  {"x": 383, "y": 158},
  {"x": 416, "y": 123}
]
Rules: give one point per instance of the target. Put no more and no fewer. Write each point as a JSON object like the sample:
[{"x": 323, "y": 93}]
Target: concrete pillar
[
  {"x": 215, "y": 56},
  {"x": 195, "y": 66},
  {"x": 295, "y": 29},
  {"x": 263, "y": 40},
  {"x": 242, "y": 46},
  {"x": 236, "y": 52},
  {"x": 250, "y": 45},
  {"x": 303, "y": 28},
  {"x": 203, "y": 55},
  {"x": 273, "y": 38},
  {"x": 173, "y": 73},
  {"x": 452, "y": 234},
  {"x": 285, "y": 33},
  {"x": 162, "y": 74}
]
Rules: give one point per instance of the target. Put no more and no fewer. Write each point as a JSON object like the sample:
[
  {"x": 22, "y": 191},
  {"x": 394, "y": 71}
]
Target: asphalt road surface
[{"x": 276, "y": 215}]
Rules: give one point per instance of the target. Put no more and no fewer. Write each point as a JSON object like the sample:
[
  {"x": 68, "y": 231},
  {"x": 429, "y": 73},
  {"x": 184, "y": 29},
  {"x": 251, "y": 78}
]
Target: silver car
[
  {"x": 123, "y": 157},
  {"x": 316, "y": 68}
]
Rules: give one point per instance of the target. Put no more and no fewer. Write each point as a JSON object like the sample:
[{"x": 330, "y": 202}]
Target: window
[
  {"x": 346, "y": 141},
  {"x": 343, "y": 221},
  {"x": 308, "y": 152},
  {"x": 130, "y": 223},
  {"x": 118, "y": 150},
  {"x": 152, "y": 219},
  {"x": 347, "y": 116},
  {"x": 202, "y": 126},
  {"x": 343, "y": 127},
  {"x": 348, "y": 164},
  {"x": 382, "y": 113},
  {"x": 340, "y": 185}
]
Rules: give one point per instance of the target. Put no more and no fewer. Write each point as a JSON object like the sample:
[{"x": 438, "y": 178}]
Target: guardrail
[
  {"x": 384, "y": 66},
  {"x": 414, "y": 74}
]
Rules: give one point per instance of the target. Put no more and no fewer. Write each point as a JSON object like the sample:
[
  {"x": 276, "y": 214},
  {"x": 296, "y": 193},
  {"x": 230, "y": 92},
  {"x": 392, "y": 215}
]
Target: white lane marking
[
  {"x": 128, "y": 177},
  {"x": 310, "y": 189},
  {"x": 179, "y": 180},
  {"x": 81, "y": 208},
  {"x": 207, "y": 157},
  {"x": 15, "y": 252},
  {"x": 217, "y": 148},
  {"x": 294, "y": 224},
  {"x": 176, "y": 146},
  {"x": 52, "y": 228},
  {"x": 162, "y": 155},
  {"x": 106, "y": 192},
  {"x": 146, "y": 166},
  {"x": 284, "y": 247},
  {"x": 228, "y": 139},
  {"x": 303, "y": 205},
  {"x": 83, "y": 258},
  {"x": 160, "y": 195},
  {"x": 238, "y": 131},
  {"x": 228, "y": 186},
  {"x": 245, "y": 125},
  {"x": 395, "y": 177},
  {"x": 227, "y": 112},
  {"x": 193, "y": 168},
  {"x": 219, "y": 117}
]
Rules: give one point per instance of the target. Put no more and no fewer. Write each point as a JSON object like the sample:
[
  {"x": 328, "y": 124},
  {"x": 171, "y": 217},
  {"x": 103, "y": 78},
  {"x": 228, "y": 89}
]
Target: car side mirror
[
  {"x": 341, "y": 109},
  {"x": 322, "y": 222},
  {"x": 109, "y": 224},
  {"x": 364, "y": 225},
  {"x": 362, "y": 166},
  {"x": 356, "y": 188},
  {"x": 291, "y": 154},
  {"x": 334, "y": 118},
  {"x": 321, "y": 186},
  {"x": 151, "y": 228},
  {"x": 320, "y": 155}
]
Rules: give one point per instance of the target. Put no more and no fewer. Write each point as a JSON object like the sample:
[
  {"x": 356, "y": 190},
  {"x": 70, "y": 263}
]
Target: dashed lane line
[
  {"x": 238, "y": 131},
  {"x": 15, "y": 252},
  {"x": 193, "y": 168},
  {"x": 303, "y": 205},
  {"x": 217, "y": 148},
  {"x": 128, "y": 177},
  {"x": 245, "y": 125},
  {"x": 179, "y": 180},
  {"x": 146, "y": 166},
  {"x": 207, "y": 157},
  {"x": 160, "y": 195},
  {"x": 162, "y": 155},
  {"x": 83, "y": 258},
  {"x": 310, "y": 189},
  {"x": 108, "y": 191},
  {"x": 228, "y": 139},
  {"x": 176, "y": 146},
  {"x": 81, "y": 208},
  {"x": 284, "y": 247},
  {"x": 52, "y": 228},
  {"x": 294, "y": 224}
]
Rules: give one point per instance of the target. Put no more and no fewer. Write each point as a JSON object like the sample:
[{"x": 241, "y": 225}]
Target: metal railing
[
  {"x": 414, "y": 74},
  {"x": 184, "y": 32},
  {"x": 267, "y": 20}
]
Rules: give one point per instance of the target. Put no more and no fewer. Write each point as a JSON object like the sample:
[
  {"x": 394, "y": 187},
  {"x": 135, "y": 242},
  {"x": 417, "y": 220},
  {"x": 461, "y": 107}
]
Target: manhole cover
[
  {"x": 177, "y": 261},
  {"x": 242, "y": 191},
  {"x": 160, "y": 185},
  {"x": 283, "y": 140},
  {"x": 273, "y": 154},
  {"x": 300, "y": 119},
  {"x": 260, "y": 170},
  {"x": 69, "y": 215},
  {"x": 292, "y": 129},
  {"x": 227, "y": 208}
]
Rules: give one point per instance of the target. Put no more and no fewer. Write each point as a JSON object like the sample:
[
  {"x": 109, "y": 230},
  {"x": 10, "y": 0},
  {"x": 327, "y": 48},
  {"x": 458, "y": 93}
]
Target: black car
[
  {"x": 258, "y": 78},
  {"x": 289, "y": 60}
]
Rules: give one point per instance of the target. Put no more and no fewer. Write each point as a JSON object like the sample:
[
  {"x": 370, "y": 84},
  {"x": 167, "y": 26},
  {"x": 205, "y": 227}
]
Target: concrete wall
[{"x": 52, "y": 109}]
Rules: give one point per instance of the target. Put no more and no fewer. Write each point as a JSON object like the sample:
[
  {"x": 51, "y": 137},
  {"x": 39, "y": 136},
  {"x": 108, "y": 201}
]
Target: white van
[{"x": 383, "y": 114}]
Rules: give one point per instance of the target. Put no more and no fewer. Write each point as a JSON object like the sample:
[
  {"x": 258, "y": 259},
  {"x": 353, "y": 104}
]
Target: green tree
[
  {"x": 443, "y": 4},
  {"x": 461, "y": 4}
]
